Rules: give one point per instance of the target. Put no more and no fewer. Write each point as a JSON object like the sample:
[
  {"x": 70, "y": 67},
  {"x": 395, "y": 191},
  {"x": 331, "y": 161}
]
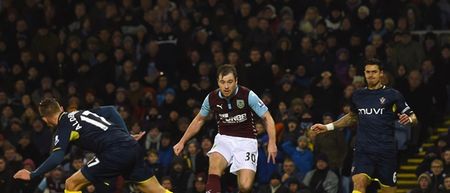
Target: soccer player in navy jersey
[
  {"x": 102, "y": 132},
  {"x": 235, "y": 144},
  {"x": 374, "y": 110}
]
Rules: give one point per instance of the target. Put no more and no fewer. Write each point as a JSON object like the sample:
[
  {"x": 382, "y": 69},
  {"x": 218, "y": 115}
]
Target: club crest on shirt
[
  {"x": 240, "y": 103},
  {"x": 382, "y": 100}
]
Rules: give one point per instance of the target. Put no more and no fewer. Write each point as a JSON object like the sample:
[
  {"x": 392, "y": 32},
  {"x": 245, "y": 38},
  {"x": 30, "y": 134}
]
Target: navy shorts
[
  {"x": 127, "y": 162},
  {"x": 378, "y": 167}
]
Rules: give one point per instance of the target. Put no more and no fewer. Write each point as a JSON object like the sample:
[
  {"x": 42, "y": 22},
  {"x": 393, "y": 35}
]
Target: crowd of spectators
[
  {"x": 155, "y": 61},
  {"x": 434, "y": 170}
]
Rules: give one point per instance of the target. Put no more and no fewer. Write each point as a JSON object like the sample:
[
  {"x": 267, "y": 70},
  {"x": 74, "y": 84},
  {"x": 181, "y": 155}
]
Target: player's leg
[
  {"x": 363, "y": 168},
  {"x": 151, "y": 185},
  {"x": 244, "y": 162},
  {"x": 141, "y": 174},
  {"x": 219, "y": 158},
  {"x": 387, "y": 167},
  {"x": 144, "y": 179},
  {"x": 245, "y": 179},
  {"x": 360, "y": 182},
  {"x": 217, "y": 164},
  {"x": 76, "y": 182},
  {"x": 102, "y": 171},
  {"x": 106, "y": 185}
]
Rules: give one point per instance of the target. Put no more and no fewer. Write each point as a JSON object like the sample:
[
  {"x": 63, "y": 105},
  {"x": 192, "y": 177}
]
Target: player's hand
[
  {"x": 272, "y": 151},
  {"x": 22, "y": 174},
  {"x": 404, "y": 119},
  {"x": 318, "y": 128},
  {"x": 285, "y": 177},
  {"x": 178, "y": 148},
  {"x": 138, "y": 136}
]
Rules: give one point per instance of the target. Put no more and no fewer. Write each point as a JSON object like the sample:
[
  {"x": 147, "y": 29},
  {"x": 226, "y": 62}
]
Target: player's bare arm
[
  {"x": 347, "y": 120},
  {"x": 407, "y": 119},
  {"x": 272, "y": 146},
  {"x": 138, "y": 136},
  {"x": 22, "y": 174},
  {"x": 193, "y": 129}
]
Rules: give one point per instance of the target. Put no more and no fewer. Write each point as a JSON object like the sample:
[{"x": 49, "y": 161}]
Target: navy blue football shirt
[
  {"x": 89, "y": 131},
  {"x": 95, "y": 131},
  {"x": 377, "y": 112}
]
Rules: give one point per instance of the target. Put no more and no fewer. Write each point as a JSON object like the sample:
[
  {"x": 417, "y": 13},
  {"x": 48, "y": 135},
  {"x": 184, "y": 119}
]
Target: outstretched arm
[
  {"x": 347, "y": 120},
  {"x": 61, "y": 143},
  {"x": 50, "y": 163},
  {"x": 193, "y": 129}
]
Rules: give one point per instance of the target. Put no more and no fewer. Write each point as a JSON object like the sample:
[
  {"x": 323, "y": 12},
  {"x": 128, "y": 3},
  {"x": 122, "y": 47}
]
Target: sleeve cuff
[{"x": 33, "y": 175}]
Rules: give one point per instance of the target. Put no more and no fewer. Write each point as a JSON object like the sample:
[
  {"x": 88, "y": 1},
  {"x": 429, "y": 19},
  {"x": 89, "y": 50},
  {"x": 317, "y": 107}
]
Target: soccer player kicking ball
[
  {"x": 103, "y": 132},
  {"x": 235, "y": 144}
]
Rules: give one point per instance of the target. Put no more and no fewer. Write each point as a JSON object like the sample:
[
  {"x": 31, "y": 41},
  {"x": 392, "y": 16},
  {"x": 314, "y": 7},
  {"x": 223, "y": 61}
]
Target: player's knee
[
  {"x": 360, "y": 181},
  {"x": 245, "y": 188},
  {"x": 217, "y": 164},
  {"x": 70, "y": 184},
  {"x": 215, "y": 171},
  {"x": 73, "y": 184}
]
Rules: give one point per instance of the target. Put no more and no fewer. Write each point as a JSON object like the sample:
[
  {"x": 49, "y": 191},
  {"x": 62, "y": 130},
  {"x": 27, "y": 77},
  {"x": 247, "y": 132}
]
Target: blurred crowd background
[{"x": 155, "y": 61}]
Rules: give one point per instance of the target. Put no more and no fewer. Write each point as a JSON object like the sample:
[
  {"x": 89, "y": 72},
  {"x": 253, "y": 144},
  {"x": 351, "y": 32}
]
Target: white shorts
[{"x": 239, "y": 152}]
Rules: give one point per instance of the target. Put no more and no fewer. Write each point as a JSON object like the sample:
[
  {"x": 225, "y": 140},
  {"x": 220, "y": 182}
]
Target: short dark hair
[
  {"x": 225, "y": 70},
  {"x": 48, "y": 106},
  {"x": 373, "y": 61}
]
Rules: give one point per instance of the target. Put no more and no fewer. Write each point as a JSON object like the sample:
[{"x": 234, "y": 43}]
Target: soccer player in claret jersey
[
  {"x": 374, "y": 110},
  {"x": 235, "y": 144},
  {"x": 102, "y": 132}
]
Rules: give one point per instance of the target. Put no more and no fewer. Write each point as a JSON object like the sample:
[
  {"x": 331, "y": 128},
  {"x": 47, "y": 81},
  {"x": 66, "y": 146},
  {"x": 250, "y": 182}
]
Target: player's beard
[
  {"x": 230, "y": 92},
  {"x": 373, "y": 83}
]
